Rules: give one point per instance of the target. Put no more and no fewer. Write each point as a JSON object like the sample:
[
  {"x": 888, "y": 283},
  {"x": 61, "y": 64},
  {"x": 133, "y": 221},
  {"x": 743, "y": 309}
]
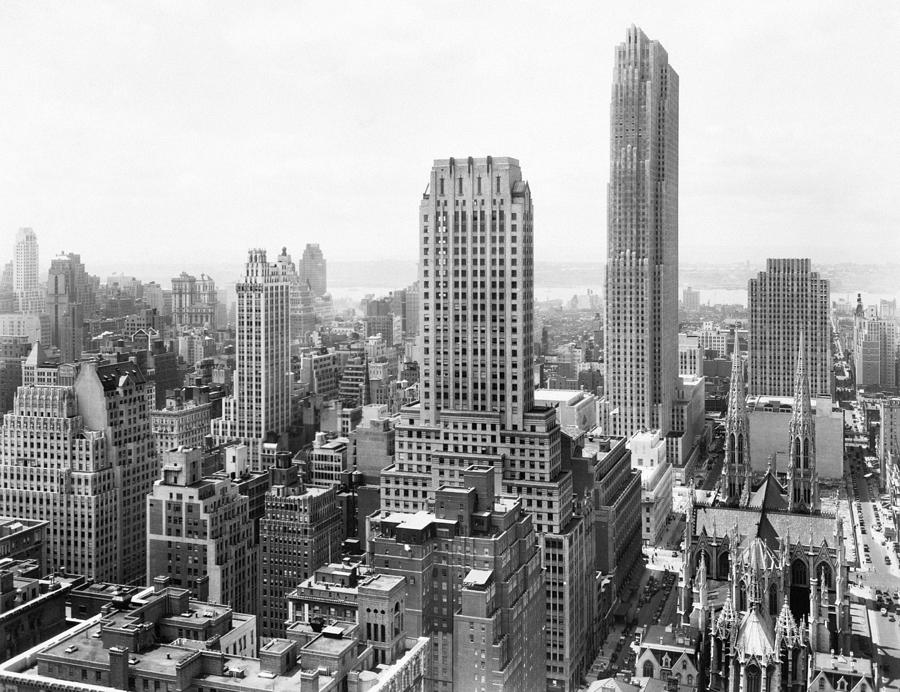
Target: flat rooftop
[{"x": 332, "y": 646}]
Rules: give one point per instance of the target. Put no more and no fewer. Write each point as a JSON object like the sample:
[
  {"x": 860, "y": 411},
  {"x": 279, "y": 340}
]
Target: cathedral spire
[
  {"x": 803, "y": 482},
  {"x": 737, "y": 433}
]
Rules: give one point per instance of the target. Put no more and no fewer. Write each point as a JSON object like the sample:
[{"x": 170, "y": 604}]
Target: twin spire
[{"x": 737, "y": 472}]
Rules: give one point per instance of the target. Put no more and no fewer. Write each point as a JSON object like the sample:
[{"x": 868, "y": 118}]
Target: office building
[
  {"x": 690, "y": 299},
  {"x": 26, "y": 281},
  {"x": 889, "y": 436},
  {"x": 346, "y": 594},
  {"x": 299, "y": 532},
  {"x": 260, "y": 406},
  {"x": 70, "y": 301},
  {"x": 32, "y": 608},
  {"x": 690, "y": 355},
  {"x": 313, "y": 270},
  {"x": 785, "y": 301},
  {"x": 353, "y": 386},
  {"x": 65, "y": 430},
  {"x": 199, "y": 533},
  {"x": 648, "y": 455},
  {"x": 642, "y": 240},
  {"x": 474, "y": 585},
  {"x": 476, "y": 405},
  {"x": 194, "y": 301},
  {"x": 13, "y": 350},
  {"x": 876, "y": 339},
  {"x": 770, "y": 416},
  {"x": 181, "y": 424}
]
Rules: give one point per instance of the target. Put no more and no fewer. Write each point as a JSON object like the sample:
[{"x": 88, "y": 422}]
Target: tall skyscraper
[
  {"x": 642, "y": 239},
  {"x": 786, "y": 300},
  {"x": 70, "y": 300},
  {"x": 261, "y": 403},
  {"x": 26, "y": 282},
  {"x": 312, "y": 269},
  {"x": 25, "y": 267},
  {"x": 77, "y": 449},
  {"x": 476, "y": 281}
]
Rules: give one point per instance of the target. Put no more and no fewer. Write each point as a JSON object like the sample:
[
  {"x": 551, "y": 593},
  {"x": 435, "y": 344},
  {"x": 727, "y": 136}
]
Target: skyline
[{"x": 250, "y": 131}]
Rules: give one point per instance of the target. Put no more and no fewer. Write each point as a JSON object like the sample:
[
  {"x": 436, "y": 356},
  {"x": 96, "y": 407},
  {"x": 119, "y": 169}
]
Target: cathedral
[{"x": 765, "y": 575}]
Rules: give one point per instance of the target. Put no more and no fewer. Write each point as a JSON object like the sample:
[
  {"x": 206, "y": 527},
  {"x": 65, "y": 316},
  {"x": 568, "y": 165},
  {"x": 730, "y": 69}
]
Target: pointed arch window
[
  {"x": 754, "y": 679},
  {"x": 648, "y": 669},
  {"x": 799, "y": 573},
  {"x": 773, "y": 600}
]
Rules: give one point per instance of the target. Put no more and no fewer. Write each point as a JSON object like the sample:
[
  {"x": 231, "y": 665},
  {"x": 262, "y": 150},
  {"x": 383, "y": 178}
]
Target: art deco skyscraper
[
  {"x": 70, "y": 300},
  {"x": 642, "y": 239},
  {"x": 786, "y": 300},
  {"x": 261, "y": 403},
  {"x": 26, "y": 284},
  {"x": 476, "y": 271},
  {"x": 476, "y": 274},
  {"x": 312, "y": 269}
]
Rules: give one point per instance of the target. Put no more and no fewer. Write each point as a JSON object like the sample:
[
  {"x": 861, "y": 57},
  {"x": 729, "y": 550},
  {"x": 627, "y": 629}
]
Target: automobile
[
  {"x": 884, "y": 612},
  {"x": 887, "y": 559},
  {"x": 674, "y": 553},
  {"x": 891, "y": 618}
]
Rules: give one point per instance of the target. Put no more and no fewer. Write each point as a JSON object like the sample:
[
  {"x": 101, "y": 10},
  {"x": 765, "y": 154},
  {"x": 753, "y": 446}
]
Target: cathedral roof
[
  {"x": 756, "y": 636},
  {"x": 767, "y": 523},
  {"x": 770, "y": 495},
  {"x": 720, "y": 521}
]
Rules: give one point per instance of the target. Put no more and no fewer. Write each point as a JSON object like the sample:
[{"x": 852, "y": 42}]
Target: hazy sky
[{"x": 176, "y": 133}]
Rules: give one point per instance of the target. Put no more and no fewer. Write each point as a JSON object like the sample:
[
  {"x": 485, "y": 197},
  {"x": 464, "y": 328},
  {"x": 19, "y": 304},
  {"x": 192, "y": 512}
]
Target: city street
[{"x": 878, "y": 568}]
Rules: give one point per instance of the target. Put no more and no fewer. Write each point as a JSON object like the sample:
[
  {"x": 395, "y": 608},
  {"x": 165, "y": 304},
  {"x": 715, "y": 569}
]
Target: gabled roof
[
  {"x": 756, "y": 636},
  {"x": 770, "y": 495}
]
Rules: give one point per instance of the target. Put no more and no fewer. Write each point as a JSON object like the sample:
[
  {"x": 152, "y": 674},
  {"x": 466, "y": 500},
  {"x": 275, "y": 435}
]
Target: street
[{"x": 878, "y": 566}]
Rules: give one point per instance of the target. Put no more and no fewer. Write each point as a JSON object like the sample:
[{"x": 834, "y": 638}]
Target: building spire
[
  {"x": 803, "y": 482},
  {"x": 736, "y": 469}
]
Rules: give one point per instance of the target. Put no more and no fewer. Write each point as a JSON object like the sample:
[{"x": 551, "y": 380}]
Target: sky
[{"x": 180, "y": 134}]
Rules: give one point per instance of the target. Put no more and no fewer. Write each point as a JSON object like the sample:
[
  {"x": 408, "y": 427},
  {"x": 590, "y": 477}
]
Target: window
[{"x": 648, "y": 669}]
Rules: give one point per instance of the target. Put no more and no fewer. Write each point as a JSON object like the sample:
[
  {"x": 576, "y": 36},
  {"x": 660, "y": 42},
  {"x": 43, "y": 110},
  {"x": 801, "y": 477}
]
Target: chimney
[
  {"x": 118, "y": 667},
  {"x": 309, "y": 681},
  {"x": 161, "y": 583}
]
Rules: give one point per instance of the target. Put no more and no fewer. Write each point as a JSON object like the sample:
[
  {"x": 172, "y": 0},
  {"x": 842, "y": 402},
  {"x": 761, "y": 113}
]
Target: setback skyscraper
[
  {"x": 261, "y": 403},
  {"x": 642, "y": 239},
  {"x": 312, "y": 270},
  {"x": 476, "y": 281}
]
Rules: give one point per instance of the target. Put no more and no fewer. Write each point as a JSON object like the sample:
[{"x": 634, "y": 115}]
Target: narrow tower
[
  {"x": 737, "y": 433},
  {"x": 803, "y": 482},
  {"x": 642, "y": 239}
]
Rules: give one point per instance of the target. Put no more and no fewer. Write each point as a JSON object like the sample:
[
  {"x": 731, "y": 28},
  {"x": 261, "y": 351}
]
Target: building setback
[
  {"x": 476, "y": 281},
  {"x": 642, "y": 239},
  {"x": 64, "y": 461},
  {"x": 261, "y": 403},
  {"x": 199, "y": 533},
  {"x": 313, "y": 270},
  {"x": 474, "y": 585}
]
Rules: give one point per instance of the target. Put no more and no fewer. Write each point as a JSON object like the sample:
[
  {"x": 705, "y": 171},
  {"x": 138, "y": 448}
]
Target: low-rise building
[
  {"x": 670, "y": 654},
  {"x": 23, "y": 539},
  {"x": 770, "y": 418},
  {"x": 163, "y": 640},
  {"x": 648, "y": 455}
]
